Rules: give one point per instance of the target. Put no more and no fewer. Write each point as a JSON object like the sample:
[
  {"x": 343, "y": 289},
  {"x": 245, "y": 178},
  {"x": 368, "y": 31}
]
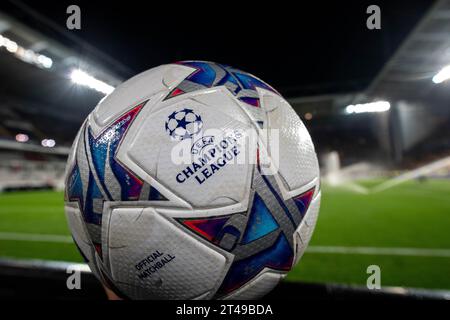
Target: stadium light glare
[
  {"x": 26, "y": 55},
  {"x": 377, "y": 106},
  {"x": 442, "y": 75},
  {"x": 82, "y": 78},
  {"x": 48, "y": 143},
  {"x": 22, "y": 137}
]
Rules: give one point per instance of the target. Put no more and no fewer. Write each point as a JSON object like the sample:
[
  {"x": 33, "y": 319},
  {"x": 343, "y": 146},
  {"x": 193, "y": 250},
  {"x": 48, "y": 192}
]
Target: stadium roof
[
  {"x": 407, "y": 75},
  {"x": 422, "y": 55}
]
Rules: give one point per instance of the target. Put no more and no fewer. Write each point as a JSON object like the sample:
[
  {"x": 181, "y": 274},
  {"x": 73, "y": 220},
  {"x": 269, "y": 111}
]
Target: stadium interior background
[{"x": 376, "y": 104}]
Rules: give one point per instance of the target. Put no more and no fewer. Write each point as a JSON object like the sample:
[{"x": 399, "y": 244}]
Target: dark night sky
[{"x": 299, "y": 48}]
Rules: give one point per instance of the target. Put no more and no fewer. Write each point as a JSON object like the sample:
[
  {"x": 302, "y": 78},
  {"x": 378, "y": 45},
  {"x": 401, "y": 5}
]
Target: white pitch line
[
  {"x": 424, "y": 170},
  {"x": 35, "y": 237},
  {"x": 381, "y": 251},
  {"x": 355, "y": 187},
  {"x": 311, "y": 249}
]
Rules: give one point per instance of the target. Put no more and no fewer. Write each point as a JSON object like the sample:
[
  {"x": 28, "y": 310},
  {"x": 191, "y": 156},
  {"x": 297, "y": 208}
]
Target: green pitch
[{"x": 404, "y": 230}]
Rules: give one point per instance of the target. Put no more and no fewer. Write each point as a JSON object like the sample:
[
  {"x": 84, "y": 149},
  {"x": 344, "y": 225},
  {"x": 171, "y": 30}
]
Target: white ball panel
[
  {"x": 175, "y": 74},
  {"x": 220, "y": 99},
  {"x": 72, "y": 153},
  {"x": 152, "y": 150},
  {"x": 79, "y": 234},
  {"x": 269, "y": 101},
  {"x": 138, "y": 89},
  {"x": 313, "y": 212},
  {"x": 135, "y": 234},
  {"x": 298, "y": 161}
]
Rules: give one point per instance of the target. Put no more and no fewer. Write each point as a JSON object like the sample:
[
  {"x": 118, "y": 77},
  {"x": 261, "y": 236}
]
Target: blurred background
[{"x": 376, "y": 102}]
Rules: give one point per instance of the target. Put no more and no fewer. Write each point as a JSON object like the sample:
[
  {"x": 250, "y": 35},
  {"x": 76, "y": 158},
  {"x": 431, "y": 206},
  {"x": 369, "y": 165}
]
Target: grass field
[{"x": 404, "y": 230}]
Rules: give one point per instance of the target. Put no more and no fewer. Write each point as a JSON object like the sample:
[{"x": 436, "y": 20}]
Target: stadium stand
[{"x": 21, "y": 174}]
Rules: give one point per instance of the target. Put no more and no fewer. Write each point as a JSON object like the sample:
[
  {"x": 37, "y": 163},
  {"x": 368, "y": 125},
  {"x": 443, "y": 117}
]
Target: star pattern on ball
[{"x": 183, "y": 124}]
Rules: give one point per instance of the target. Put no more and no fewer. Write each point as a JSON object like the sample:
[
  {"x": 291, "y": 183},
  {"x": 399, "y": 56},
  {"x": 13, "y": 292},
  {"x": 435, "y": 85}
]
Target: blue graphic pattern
[
  {"x": 302, "y": 201},
  {"x": 104, "y": 147},
  {"x": 103, "y": 150},
  {"x": 210, "y": 74},
  {"x": 261, "y": 221},
  {"x": 75, "y": 186},
  {"x": 93, "y": 193},
  {"x": 279, "y": 257},
  {"x": 279, "y": 199}
]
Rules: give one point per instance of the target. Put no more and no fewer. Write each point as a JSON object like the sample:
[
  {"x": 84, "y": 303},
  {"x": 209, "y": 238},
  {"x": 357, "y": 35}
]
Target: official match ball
[{"x": 192, "y": 180}]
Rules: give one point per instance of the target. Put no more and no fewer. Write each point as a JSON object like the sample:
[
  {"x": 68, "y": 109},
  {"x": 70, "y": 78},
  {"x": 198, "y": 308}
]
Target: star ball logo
[{"x": 183, "y": 124}]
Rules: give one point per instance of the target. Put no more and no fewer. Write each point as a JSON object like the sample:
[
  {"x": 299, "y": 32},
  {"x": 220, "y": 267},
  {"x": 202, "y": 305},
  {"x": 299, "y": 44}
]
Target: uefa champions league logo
[
  {"x": 183, "y": 124},
  {"x": 206, "y": 150}
]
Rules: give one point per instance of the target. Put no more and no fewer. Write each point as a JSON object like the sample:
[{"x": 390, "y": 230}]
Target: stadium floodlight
[
  {"x": 377, "y": 106},
  {"x": 26, "y": 55},
  {"x": 48, "y": 143},
  {"x": 442, "y": 75},
  {"x": 82, "y": 78},
  {"x": 22, "y": 137}
]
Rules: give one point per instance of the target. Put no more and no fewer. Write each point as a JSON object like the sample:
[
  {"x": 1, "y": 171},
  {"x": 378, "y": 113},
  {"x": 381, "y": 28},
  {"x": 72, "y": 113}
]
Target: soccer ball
[{"x": 192, "y": 180}]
